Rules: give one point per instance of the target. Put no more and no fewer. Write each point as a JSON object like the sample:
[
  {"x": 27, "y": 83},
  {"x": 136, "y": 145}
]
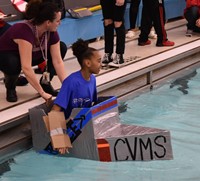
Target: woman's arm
[
  {"x": 25, "y": 52},
  {"x": 57, "y": 61}
]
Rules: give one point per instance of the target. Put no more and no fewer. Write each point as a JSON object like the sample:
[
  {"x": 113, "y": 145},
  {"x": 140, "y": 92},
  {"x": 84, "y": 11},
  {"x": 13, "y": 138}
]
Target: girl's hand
[{"x": 63, "y": 150}]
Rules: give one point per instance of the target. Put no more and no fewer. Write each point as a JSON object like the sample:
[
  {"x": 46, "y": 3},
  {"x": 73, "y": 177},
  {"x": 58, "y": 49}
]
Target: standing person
[
  {"x": 192, "y": 14},
  {"x": 79, "y": 89},
  {"x": 30, "y": 43},
  {"x": 113, "y": 15},
  {"x": 153, "y": 11},
  {"x": 133, "y": 13}
]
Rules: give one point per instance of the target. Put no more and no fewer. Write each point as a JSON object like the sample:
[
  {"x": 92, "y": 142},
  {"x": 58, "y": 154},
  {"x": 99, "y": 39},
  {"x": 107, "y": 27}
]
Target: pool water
[{"x": 174, "y": 106}]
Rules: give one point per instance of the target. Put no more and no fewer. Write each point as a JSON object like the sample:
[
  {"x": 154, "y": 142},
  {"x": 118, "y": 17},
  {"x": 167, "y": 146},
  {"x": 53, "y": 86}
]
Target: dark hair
[
  {"x": 39, "y": 11},
  {"x": 82, "y": 51}
]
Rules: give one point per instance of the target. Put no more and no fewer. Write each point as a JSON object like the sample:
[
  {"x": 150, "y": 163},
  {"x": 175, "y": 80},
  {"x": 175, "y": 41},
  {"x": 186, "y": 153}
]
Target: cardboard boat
[{"x": 97, "y": 134}]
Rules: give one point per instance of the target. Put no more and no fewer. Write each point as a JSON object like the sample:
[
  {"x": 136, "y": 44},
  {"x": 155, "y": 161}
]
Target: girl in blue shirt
[{"x": 79, "y": 89}]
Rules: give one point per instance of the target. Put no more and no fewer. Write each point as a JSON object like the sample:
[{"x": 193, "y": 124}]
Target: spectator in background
[
  {"x": 133, "y": 13},
  {"x": 153, "y": 11},
  {"x": 29, "y": 43},
  {"x": 113, "y": 16},
  {"x": 192, "y": 15}
]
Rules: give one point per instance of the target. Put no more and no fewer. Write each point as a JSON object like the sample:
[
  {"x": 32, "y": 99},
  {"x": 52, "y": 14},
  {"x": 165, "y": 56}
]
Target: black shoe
[
  {"x": 11, "y": 95},
  {"x": 47, "y": 87},
  {"x": 107, "y": 58},
  {"x": 21, "y": 81}
]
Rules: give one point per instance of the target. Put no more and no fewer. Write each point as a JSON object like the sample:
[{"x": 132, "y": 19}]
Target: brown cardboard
[
  {"x": 57, "y": 124},
  {"x": 61, "y": 141},
  {"x": 46, "y": 121}
]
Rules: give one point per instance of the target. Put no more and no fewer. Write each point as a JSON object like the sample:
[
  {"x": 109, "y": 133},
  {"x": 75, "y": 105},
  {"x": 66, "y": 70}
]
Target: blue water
[{"x": 174, "y": 106}]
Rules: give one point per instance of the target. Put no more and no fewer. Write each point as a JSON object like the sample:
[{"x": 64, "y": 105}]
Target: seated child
[{"x": 79, "y": 89}]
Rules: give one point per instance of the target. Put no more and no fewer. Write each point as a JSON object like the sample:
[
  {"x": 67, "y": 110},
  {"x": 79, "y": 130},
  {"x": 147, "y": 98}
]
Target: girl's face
[
  {"x": 53, "y": 25},
  {"x": 95, "y": 63}
]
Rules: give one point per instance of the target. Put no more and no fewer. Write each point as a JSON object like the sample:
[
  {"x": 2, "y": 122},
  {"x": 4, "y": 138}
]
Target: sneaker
[
  {"x": 130, "y": 34},
  {"x": 107, "y": 58},
  {"x": 165, "y": 43},
  {"x": 189, "y": 33},
  {"x": 11, "y": 95},
  {"x": 118, "y": 61},
  {"x": 21, "y": 81},
  {"x": 148, "y": 42},
  {"x": 152, "y": 34}
]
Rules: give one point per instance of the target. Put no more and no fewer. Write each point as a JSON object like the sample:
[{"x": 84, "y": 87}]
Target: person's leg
[
  {"x": 118, "y": 19},
  {"x": 119, "y": 28},
  {"x": 191, "y": 15},
  {"x": 11, "y": 67},
  {"x": 107, "y": 10},
  {"x": 133, "y": 13},
  {"x": 158, "y": 16},
  {"x": 146, "y": 23},
  {"x": 4, "y": 26}
]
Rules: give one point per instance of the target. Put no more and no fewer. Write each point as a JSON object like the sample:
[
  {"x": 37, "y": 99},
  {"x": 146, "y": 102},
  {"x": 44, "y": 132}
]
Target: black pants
[
  {"x": 191, "y": 15},
  {"x": 133, "y": 12},
  {"x": 116, "y": 14},
  {"x": 10, "y": 62},
  {"x": 153, "y": 11}
]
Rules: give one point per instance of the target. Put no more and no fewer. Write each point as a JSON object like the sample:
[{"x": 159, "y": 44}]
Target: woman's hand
[{"x": 47, "y": 97}]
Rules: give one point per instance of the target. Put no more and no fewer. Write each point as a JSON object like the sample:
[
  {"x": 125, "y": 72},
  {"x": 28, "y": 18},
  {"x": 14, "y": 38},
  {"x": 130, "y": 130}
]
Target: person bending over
[
  {"x": 192, "y": 15},
  {"x": 29, "y": 43},
  {"x": 79, "y": 89}
]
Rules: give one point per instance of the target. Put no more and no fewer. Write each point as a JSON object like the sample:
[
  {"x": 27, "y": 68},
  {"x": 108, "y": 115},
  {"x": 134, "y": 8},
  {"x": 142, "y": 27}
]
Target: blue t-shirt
[{"x": 76, "y": 92}]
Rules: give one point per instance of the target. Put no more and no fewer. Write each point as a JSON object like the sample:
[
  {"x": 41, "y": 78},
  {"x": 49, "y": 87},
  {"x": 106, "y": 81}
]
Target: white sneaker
[
  {"x": 130, "y": 34},
  {"x": 189, "y": 33},
  {"x": 118, "y": 61},
  {"x": 152, "y": 34},
  {"x": 107, "y": 58}
]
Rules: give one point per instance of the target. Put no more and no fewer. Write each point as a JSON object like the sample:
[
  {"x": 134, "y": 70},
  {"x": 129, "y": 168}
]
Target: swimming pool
[{"x": 174, "y": 106}]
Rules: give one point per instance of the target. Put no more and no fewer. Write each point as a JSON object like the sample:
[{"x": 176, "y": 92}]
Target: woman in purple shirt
[{"x": 29, "y": 43}]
